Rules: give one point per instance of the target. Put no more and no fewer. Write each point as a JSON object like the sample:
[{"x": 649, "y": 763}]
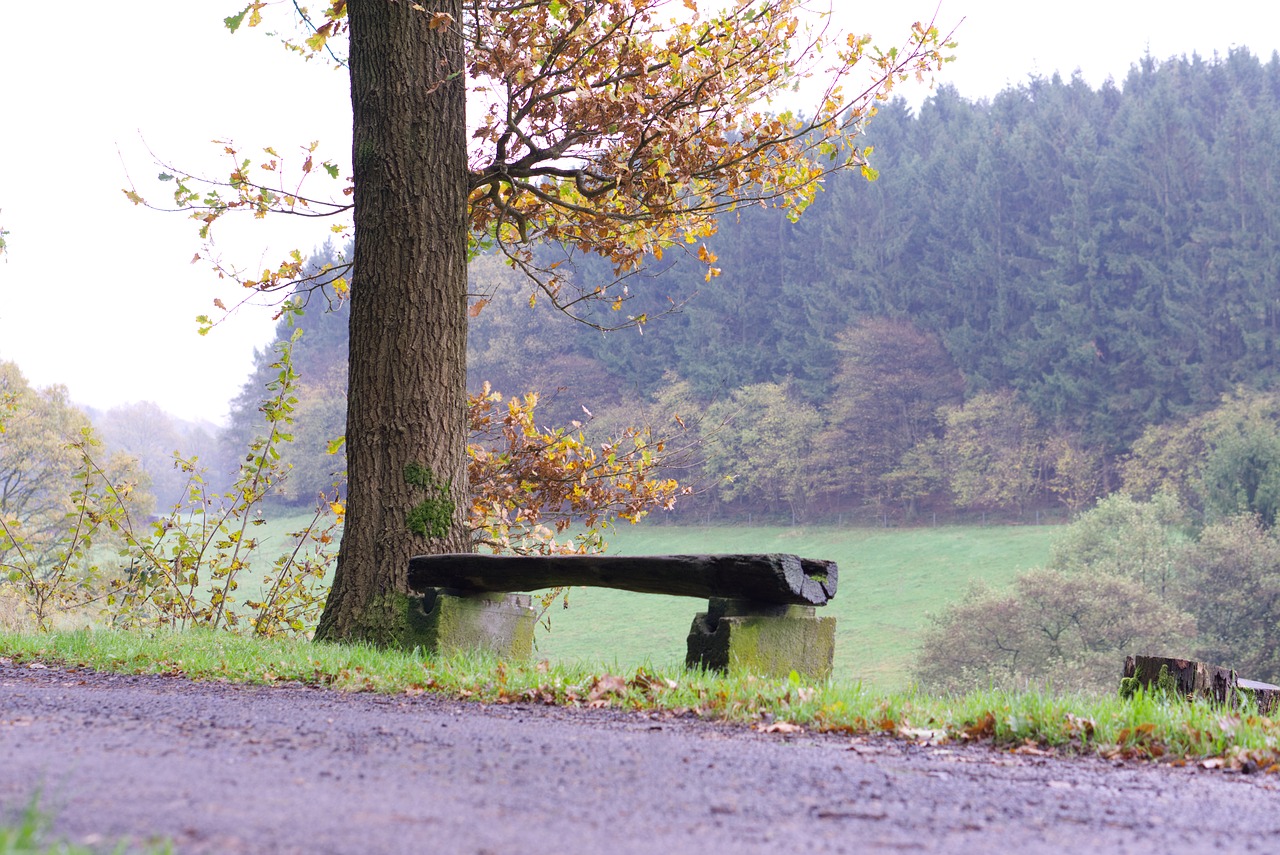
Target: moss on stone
[
  {"x": 500, "y": 624},
  {"x": 772, "y": 645}
]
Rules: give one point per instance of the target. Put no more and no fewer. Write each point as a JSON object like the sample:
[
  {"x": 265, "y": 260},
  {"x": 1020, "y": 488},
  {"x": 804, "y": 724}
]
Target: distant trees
[
  {"x": 1128, "y": 576},
  {"x": 892, "y": 382},
  {"x": 43, "y": 442},
  {"x": 991, "y": 451},
  {"x": 1103, "y": 595},
  {"x": 1223, "y": 462},
  {"x": 761, "y": 448},
  {"x": 1041, "y": 275}
]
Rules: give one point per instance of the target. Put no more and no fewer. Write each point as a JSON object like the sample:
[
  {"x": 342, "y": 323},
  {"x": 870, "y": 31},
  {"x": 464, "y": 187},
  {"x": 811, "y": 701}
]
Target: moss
[
  {"x": 773, "y": 645},
  {"x": 396, "y": 620},
  {"x": 432, "y": 517},
  {"x": 1164, "y": 685},
  {"x": 365, "y": 152}
]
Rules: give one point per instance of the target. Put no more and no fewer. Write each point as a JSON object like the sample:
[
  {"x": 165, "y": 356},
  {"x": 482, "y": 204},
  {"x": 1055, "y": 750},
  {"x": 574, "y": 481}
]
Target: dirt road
[{"x": 222, "y": 768}]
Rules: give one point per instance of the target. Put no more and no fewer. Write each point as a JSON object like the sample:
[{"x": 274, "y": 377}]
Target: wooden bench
[{"x": 760, "y": 615}]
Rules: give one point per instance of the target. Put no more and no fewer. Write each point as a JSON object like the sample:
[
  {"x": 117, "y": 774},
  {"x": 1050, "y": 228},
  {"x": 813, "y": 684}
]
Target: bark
[
  {"x": 1185, "y": 676},
  {"x": 406, "y": 415},
  {"x": 1196, "y": 679},
  {"x": 776, "y": 579}
]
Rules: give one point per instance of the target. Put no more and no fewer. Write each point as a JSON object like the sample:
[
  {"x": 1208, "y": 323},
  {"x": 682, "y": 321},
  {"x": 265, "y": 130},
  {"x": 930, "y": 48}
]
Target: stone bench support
[
  {"x": 497, "y": 623},
  {"x": 738, "y": 635}
]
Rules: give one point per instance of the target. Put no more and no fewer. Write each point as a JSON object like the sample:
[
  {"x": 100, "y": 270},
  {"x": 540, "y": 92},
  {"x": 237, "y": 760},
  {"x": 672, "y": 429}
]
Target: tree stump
[{"x": 1189, "y": 679}]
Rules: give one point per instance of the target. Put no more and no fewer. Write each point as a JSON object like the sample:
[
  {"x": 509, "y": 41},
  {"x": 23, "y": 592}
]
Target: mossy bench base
[{"x": 769, "y": 627}]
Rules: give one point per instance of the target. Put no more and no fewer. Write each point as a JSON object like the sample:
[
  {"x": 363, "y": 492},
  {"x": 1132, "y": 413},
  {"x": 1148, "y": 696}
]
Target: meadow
[{"x": 890, "y": 581}]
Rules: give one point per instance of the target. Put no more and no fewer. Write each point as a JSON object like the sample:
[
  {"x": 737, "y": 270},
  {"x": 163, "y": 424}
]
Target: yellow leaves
[
  {"x": 317, "y": 40},
  {"x": 527, "y": 481},
  {"x": 133, "y": 197}
]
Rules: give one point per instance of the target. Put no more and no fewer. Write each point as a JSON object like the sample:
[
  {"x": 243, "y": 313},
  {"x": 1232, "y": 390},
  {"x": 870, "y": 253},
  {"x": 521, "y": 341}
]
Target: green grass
[
  {"x": 890, "y": 580},
  {"x": 1147, "y": 727}
]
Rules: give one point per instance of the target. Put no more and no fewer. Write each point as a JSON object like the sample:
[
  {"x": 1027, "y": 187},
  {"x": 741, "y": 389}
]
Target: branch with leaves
[
  {"x": 532, "y": 485},
  {"x": 622, "y": 128}
]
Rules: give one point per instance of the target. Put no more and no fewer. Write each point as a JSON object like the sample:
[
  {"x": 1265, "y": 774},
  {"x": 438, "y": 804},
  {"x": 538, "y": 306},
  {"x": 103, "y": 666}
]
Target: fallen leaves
[{"x": 785, "y": 727}]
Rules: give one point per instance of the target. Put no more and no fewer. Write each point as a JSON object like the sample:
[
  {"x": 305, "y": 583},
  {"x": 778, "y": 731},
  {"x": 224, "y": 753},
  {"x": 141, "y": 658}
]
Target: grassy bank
[{"x": 1029, "y": 722}]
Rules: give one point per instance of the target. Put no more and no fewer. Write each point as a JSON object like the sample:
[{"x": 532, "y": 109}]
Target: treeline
[{"x": 1032, "y": 281}]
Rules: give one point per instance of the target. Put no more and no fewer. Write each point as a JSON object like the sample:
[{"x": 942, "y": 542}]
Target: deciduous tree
[{"x": 618, "y": 128}]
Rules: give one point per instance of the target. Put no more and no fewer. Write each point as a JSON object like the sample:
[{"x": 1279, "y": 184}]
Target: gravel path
[{"x": 224, "y": 768}]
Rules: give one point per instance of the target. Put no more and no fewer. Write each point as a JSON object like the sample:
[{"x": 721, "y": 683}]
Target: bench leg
[
  {"x": 734, "y": 635},
  {"x": 500, "y": 624}
]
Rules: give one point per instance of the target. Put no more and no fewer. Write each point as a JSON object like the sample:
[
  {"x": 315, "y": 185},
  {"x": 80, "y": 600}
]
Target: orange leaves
[{"x": 530, "y": 484}]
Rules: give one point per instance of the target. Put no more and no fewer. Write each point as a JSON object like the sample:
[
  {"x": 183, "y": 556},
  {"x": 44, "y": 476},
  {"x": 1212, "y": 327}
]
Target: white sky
[{"x": 99, "y": 295}]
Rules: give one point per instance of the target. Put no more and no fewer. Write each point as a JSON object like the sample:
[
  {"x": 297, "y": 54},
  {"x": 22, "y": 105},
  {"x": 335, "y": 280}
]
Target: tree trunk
[{"x": 406, "y": 411}]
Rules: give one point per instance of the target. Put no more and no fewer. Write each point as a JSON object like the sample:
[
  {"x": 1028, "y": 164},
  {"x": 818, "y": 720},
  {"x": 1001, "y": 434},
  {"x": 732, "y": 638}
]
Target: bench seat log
[{"x": 778, "y": 579}]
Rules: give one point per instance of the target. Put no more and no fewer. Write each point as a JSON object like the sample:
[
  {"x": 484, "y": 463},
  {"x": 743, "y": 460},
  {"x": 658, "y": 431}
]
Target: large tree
[{"x": 619, "y": 128}]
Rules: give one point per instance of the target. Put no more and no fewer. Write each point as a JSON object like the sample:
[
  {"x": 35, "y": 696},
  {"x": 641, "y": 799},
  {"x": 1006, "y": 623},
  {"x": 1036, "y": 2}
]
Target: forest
[{"x": 1034, "y": 287}]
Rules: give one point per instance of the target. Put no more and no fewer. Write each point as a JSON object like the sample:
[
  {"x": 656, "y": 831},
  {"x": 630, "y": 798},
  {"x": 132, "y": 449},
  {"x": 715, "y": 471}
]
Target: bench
[{"x": 760, "y": 616}]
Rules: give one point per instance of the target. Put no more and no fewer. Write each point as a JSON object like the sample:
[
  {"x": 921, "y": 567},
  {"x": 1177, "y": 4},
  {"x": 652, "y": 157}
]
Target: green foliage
[
  {"x": 1223, "y": 462},
  {"x": 1241, "y": 474},
  {"x": 991, "y": 449},
  {"x": 1232, "y": 586},
  {"x": 1109, "y": 589},
  {"x": 78, "y": 540},
  {"x": 761, "y": 445},
  {"x": 1054, "y": 627},
  {"x": 187, "y": 570},
  {"x": 60, "y": 518},
  {"x": 1126, "y": 576},
  {"x": 1144, "y": 541}
]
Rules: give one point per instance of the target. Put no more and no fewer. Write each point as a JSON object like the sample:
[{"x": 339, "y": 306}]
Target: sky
[{"x": 101, "y": 296}]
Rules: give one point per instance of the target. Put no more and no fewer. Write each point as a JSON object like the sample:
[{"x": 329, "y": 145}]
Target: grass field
[{"x": 890, "y": 580}]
